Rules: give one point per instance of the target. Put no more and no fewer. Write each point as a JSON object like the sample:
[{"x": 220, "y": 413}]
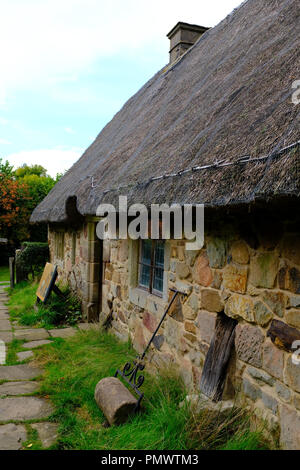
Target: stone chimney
[{"x": 182, "y": 37}]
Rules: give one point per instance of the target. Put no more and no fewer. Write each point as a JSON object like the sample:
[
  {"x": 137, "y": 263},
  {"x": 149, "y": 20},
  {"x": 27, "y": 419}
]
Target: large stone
[
  {"x": 182, "y": 270},
  {"x": 240, "y": 252},
  {"x": 206, "y": 322},
  {"x": 23, "y": 355},
  {"x": 216, "y": 251},
  {"x": 273, "y": 360},
  {"x": 292, "y": 374},
  {"x": 248, "y": 343},
  {"x": 283, "y": 392},
  {"x": 235, "y": 278},
  {"x": 12, "y": 436},
  {"x": 62, "y": 332},
  {"x": 115, "y": 400},
  {"x": 238, "y": 306},
  {"x": 173, "y": 331},
  {"x": 270, "y": 402},
  {"x": 47, "y": 432},
  {"x": 32, "y": 334},
  {"x": 19, "y": 372},
  {"x": 202, "y": 273},
  {"x": 276, "y": 301},
  {"x": 18, "y": 388},
  {"x": 262, "y": 313},
  {"x": 293, "y": 318},
  {"x": 251, "y": 390},
  {"x": 294, "y": 301},
  {"x": 211, "y": 300},
  {"x": 290, "y": 428},
  {"x": 38, "y": 343},
  {"x": 139, "y": 341},
  {"x": 150, "y": 321},
  {"x": 263, "y": 270},
  {"x": 289, "y": 279},
  {"x": 261, "y": 376},
  {"x": 24, "y": 408}
]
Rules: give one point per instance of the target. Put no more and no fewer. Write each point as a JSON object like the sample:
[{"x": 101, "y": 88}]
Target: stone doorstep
[
  {"x": 24, "y": 408},
  {"x": 11, "y": 436},
  {"x": 19, "y": 372},
  {"x": 18, "y": 388},
  {"x": 47, "y": 433}
]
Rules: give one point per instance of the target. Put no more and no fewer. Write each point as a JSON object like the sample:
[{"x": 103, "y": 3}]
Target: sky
[{"x": 67, "y": 67}]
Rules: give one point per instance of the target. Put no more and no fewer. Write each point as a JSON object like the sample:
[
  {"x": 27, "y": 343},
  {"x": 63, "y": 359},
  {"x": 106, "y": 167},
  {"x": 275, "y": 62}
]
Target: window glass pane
[
  {"x": 145, "y": 276},
  {"x": 158, "y": 272},
  {"x": 146, "y": 251},
  {"x": 158, "y": 279}
]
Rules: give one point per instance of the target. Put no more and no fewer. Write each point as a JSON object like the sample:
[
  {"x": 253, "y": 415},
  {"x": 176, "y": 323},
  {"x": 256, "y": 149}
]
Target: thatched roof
[{"x": 228, "y": 96}]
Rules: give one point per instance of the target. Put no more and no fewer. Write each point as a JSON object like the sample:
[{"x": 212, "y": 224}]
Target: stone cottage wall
[{"x": 252, "y": 279}]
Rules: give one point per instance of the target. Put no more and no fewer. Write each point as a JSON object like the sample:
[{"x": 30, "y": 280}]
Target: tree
[
  {"x": 6, "y": 169},
  {"x": 26, "y": 170}
]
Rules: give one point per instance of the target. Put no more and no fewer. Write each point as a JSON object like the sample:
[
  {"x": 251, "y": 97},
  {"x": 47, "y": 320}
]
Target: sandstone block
[
  {"x": 206, "y": 322},
  {"x": 202, "y": 273},
  {"x": 273, "y": 360},
  {"x": 251, "y": 390},
  {"x": 292, "y": 374},
  {"x": 248, "y": 343},
  {"x": 293, "y": 318},
  {"x": 216, "y": 251},
  {"x": 239, "y": 306},
  {"x": 290, "y": 428},
  {"x": 262, "y": 313},
  {"x": 182, "y": 270},
  {"x": 276, "y": 301},
  {"x": 263, "y": 270},
  {"x": 283, "y": 392},
  {"x": 211, "y": 300},
  {"x": 115, "y": 400},
  {"x": 240, "y": 252},
  {"x": 235, "y": 278}
]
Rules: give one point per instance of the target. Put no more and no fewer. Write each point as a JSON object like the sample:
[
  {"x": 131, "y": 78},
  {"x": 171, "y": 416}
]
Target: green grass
[
  {"x": 55, "y": 312},
  {"x": 73, "y": 368},
  {"x": 4, "y": 274}
]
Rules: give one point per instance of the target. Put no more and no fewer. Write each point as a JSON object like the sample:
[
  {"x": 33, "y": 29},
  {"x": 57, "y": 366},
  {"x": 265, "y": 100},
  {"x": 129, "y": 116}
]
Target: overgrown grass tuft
[
  {"x": 57, "y": 311},
  {"x": 73, "y": 368}
]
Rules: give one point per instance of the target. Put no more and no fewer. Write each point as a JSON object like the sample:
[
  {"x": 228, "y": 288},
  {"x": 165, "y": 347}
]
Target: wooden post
[{"x": 12, "y": 271}]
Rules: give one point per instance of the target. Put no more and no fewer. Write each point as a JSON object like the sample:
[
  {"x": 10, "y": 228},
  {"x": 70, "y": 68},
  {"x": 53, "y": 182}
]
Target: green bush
[{"x": 32, "y": 258}]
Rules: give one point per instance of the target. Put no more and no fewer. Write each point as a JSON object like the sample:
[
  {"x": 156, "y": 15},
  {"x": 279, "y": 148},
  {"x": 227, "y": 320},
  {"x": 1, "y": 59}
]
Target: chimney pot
[{"x": 182, "y": 37}]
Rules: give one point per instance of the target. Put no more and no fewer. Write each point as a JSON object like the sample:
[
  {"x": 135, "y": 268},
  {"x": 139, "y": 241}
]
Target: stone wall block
[
  {"x": 240, "y": 252},
  {"x": 238, "y": 306},
  {"x": 249, "y": 344},
  {"x": 202, "y": 273},
  {"x": 211, "y": 300},
  {"x": 235, "y": 278},
  {"x": 273, "y": 360},
  {"x": 263, "y": 270},
  {"x": 206, "y": 322}
]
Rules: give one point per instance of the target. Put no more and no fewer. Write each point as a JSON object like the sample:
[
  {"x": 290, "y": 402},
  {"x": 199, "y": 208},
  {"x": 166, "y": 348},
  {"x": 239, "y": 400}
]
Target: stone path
[{"x": 19, "y": 410}]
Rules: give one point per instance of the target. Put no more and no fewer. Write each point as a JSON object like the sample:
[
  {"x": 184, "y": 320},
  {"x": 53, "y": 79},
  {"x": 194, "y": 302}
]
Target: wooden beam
[{"x": 283, "y": 335}]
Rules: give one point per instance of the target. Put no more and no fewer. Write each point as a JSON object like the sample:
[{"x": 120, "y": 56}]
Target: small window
[
  {"x": 74, "y": 236},
  {"x": 151, "y": 272},
  {"x": 59, "y": 245}
]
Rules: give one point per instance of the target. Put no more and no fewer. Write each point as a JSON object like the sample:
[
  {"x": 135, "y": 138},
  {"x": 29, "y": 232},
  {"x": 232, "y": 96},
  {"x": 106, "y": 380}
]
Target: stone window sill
[{"x": 143, "y": 299}]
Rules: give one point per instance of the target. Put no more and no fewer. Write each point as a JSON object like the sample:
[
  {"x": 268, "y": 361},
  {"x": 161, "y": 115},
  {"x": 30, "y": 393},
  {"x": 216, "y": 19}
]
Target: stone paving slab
[
  {"x": 47, "y": 433},
  {"x": 4, "y": 315},
  {"x": 6, "y": 336},
  {"x": 24, "y": 408},
  {"x": 19, "y": 372},
  {"x": 24, "y": 355},
  {"x": 32, "y": 334},
  {"x": 5, "y": 325},
  {"x": 18, "y": 388},
  {"x": 63, "y": 332},
  {"x": 36, "y": 344},
  {"x": 12, "y": 436}
]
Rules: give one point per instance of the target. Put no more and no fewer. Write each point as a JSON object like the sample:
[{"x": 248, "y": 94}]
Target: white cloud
[
  {"x": 3, "y": 121},
  {"x": 54, "y": 160},
  {"x": 44, "y": 42},
  {"x": 4, "y": 142},
  {"x": 69, "y": 130}
]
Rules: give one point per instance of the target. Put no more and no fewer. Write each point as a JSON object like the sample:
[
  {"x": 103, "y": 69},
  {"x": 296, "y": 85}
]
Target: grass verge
[{"x": 73, "y": 368}]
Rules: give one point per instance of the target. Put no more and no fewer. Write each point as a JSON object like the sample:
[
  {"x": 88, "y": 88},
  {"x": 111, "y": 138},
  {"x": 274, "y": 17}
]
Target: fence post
[{"x": 12, "y": 271}]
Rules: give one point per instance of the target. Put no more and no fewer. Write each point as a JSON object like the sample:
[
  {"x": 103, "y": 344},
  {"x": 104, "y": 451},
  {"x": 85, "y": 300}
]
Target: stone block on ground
[
  {"x": 5, "y": 325},
  {"x": 24, "y": 355},
  {"x": 115, "y": 400},
  {"x": 19, "y": 372},
  {"x": 201, "y": 402},
  {"x": 32, "y": 334},
  {"x": 47, "y": 433},
  {"x": 36, "y": 344},
  {"x": 24, "y": 408},
  {"x": 12, "y": 436},
  {"x": 18, "y": 388},
  {"x": 62, "y": 333},
  {"x": 6, "y": 336}
]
